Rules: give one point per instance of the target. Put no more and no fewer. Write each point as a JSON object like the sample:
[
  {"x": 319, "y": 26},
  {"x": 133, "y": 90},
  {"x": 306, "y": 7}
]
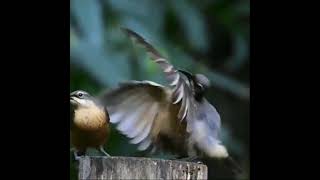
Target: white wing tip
[
  {"x": 160, "y": 60},
  {"x": 152, "y": 83},
  {"x": 179, "y": 96}
]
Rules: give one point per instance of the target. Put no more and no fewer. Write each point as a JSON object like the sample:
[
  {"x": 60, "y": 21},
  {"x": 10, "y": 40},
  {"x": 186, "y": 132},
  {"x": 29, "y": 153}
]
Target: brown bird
[
  {"x": 177, "y": 119},
  {"x": 89, "y": 127}
]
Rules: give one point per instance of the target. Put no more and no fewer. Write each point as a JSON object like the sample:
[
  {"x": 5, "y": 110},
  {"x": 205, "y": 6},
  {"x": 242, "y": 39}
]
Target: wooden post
[{"x": 139, "y": 168}]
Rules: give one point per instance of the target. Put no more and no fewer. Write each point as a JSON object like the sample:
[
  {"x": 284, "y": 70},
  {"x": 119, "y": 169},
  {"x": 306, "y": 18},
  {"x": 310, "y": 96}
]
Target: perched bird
[
  {"x": 177, "y": 119},
  {"x": 89, "y": 125}
]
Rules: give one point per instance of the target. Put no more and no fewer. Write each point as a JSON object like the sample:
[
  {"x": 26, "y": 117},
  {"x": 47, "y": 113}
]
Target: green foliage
[{"x": 209, "y": 37}]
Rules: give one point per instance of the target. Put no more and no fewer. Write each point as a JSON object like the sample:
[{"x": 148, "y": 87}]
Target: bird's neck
[{"x": 199, "y": 96}]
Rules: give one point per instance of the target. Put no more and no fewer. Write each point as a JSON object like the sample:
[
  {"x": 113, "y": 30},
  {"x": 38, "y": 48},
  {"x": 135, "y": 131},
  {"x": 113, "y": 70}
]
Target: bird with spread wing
[{"x": 177, "y": 118}]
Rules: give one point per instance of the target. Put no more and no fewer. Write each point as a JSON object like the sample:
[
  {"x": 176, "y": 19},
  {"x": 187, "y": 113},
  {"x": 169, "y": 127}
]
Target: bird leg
[
  {"x": 78, "y": 154},
  {"x": 103, "y": 151}
]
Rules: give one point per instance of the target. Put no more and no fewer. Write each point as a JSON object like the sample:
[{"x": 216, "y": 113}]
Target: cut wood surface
[{"x": 139, "y": 168}]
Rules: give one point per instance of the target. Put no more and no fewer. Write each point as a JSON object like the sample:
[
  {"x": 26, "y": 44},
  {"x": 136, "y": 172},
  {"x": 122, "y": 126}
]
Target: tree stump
[{"x": 139, "y": 168}]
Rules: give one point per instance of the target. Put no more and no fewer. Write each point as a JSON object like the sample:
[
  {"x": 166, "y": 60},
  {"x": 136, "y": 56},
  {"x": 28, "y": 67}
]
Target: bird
[
  {"x": 89, "y": 125},
  {"x": 175, "y": 118}
]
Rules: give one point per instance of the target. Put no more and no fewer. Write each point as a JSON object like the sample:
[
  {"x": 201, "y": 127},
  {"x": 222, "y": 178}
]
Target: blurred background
[{"x": 209, "y": 37}]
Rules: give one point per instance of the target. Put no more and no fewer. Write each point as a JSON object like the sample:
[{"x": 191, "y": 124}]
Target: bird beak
[{"x": 73, "y": 100}]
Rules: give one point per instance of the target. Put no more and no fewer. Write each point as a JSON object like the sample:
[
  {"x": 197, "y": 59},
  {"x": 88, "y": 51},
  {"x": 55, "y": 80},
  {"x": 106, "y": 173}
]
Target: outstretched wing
[
  {"x": 181, "y": 91},
  {"x": 203, "y": 121},
  {"x": 134, "y": 106}
]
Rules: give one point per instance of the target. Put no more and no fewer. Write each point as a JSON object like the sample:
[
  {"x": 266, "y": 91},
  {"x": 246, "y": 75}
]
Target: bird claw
[
  {"x": 199, "y": 162},
  {"x": 192, "y": 159},
  {"x": 104, "y": 152},
  {"x": 76, "y": 156}
]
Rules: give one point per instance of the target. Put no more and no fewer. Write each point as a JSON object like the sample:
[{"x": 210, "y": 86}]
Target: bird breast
[{"x": 90, "y": 119}]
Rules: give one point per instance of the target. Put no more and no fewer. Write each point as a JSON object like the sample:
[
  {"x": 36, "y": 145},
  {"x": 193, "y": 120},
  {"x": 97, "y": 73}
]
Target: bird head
[
  {"x": 200, "y": 83},
  {"x": 81, "y": 98}
]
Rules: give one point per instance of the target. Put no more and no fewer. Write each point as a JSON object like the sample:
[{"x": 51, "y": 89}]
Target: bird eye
[
  {"x": 200, "y": 86},
  {"x": 80, "y": 95}
]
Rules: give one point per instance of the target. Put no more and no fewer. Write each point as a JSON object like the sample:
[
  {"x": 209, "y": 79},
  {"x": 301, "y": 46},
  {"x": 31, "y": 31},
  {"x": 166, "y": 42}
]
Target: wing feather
[
  {"x": 133, "y": 107},
  {"x": 175, "y": 79}
]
